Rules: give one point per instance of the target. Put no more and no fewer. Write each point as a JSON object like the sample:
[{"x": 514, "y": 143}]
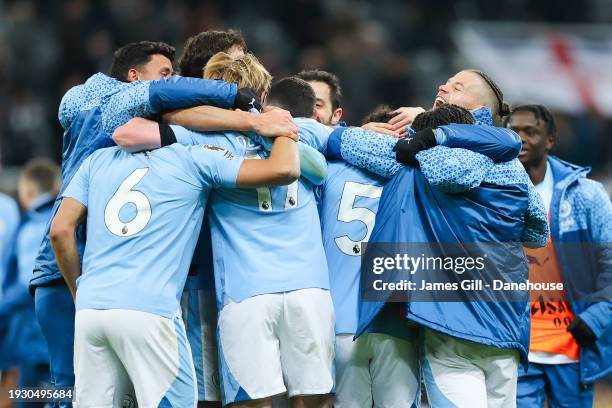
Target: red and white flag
[{"x": 566, "y": 68}]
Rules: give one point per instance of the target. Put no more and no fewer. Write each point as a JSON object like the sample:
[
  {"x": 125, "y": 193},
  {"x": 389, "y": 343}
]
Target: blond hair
[{"x": 245, "y": 70}]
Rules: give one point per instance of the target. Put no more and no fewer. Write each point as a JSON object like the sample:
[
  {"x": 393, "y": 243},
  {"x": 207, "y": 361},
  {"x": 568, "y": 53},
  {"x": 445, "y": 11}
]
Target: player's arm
[
  {"x": 364, "y": 149},
  {"x": 598, "y": 316},
  {"x": 536, "y": 230},
  {"x": 453, "y": 170},
  {"x": 147, "y": 98},
  {"x": 143, "y": 134},
  {"x": 500, "y": 144},
  {"x": 313, "y": 138},
  {"x": 280, "y": 168},
  {"x": 70, "y": 215},
  {"x": 140, "y": 134},
  {"x": 273, "y": 123},
  {"x": 450, "y": 170}
]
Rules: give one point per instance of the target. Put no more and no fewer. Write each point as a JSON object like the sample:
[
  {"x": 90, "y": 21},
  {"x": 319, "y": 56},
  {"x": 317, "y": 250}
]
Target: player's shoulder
[
  {"x": 312, "y": 127},
  {"x": 106, "y": 154},
  {"x": 340, "y": 171}
]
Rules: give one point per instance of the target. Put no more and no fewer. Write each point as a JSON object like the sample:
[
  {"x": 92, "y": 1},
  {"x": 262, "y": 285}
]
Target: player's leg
[
  {"x": 249, "y": 352},
  {"x": 395, "y": 371},
  {"x": 200, "y": 317},
  {"x": 55, "y": 314},
  {"x": 451, "y": 377},
  {"x": 101, "y": 380},
  {"x": 501, "y": 373},
  {"x": 156, "y": 356},
  {"x": 353, "y": 381},
  {"x": 530, "y": 387},
  {"x": 564, "y": 388},
  {"x": 307, "y": 338}
]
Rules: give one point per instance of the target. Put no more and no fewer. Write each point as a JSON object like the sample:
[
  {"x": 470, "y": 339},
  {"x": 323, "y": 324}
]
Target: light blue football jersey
[
  {"x": 348, "y": 205},
  {"x": 264, "y": 240},
  {"x": 144, "y": 213}
]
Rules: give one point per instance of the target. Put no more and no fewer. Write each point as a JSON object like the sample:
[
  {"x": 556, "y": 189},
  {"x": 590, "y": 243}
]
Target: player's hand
[
  {"x": 381, "y": 127},
  {"x": 582, "y": 333},
  {"x": 403, "y": 117},
  {"x": 247, "y": 99},
  {"x": 407, "y": 148},
  {"x": 276, "y": 123}
]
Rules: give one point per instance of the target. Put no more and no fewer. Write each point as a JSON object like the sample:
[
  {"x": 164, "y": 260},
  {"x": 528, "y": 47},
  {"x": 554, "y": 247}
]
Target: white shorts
[
  {"x": 376, "y": 370},
  {"x": 116, "y": 349},
  {"x": 275, "y": 343},
  {"x": 461, "y": 373},
  {"x": 200, "y": 316}
]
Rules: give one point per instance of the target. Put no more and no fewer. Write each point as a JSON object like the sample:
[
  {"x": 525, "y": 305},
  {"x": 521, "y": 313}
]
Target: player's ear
[
  {"x": 337, "y": 114},
  {"x": 132, "y": 75}
]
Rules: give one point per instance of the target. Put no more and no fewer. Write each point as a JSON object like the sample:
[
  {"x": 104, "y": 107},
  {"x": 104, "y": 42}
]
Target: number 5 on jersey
[
  {"x": 123, "y": 196},
  {"x": 347, "y": 212}
]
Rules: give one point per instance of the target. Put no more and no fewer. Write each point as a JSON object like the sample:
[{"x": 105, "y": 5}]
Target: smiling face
[
  {"x": 465, "y": 89},
  {"x": 326, "y": 113},
  {"x": 537, "y": 142}
]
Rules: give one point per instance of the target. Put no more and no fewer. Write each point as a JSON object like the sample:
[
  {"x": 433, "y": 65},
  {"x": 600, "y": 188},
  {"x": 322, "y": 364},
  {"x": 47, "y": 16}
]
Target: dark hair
[
  {"x": 503, "y": 109},
  {"x": 201, "y": 47},
  {"x": 540, "y": 112},
  {"x": 42, "y": 172},
  {"x": 332, "y": 81},
  {"x": 293, "y": 94},
  {"x": 135, "y": 55},
  {"x": 442, "y": 115},
  {"x": 381, "y": 113}
]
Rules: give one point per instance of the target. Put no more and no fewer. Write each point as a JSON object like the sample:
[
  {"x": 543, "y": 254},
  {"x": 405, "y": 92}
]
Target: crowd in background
[{"x": 386, "y": 51}]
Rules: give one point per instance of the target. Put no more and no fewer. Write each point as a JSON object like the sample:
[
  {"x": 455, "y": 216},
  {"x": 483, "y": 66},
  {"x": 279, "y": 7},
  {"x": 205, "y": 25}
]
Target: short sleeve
[
  {"x": 215, "y": 166},
  {"x": 79, "y": 185},
  {"x": 313, "y": 133}
]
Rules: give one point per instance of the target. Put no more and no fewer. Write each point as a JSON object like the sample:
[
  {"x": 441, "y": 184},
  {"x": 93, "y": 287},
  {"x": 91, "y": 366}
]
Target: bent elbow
[
  {"x": 121, "y": 136},
  {"x": 59, "y": 233}
]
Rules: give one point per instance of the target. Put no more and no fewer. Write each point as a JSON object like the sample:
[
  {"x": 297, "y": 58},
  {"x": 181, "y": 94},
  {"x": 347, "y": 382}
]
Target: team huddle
[{"x": 206, "y": 244}]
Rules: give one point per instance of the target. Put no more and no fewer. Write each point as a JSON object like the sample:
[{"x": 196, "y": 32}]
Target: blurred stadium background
[
  {"x": 397, "y": 52},
  {"x": 555, "y": 52}
]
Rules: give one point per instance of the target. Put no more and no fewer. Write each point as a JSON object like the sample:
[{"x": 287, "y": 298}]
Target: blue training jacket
[
  {"x": 23, "y": 341},
  {"x": 502, "y": 208},
  {"x": 581, "y": 227},
  {"x": 89, "y": 113}
]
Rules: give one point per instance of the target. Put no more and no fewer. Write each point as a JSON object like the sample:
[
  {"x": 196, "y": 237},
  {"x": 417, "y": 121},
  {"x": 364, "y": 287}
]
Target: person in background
[
  {"x": 571, "y": 343},
  {"x": 37, "y": 188},
  {"x": 9, "y": 220}
]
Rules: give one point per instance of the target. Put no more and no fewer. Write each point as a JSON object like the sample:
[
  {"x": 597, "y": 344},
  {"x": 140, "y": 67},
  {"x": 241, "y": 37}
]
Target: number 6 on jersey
[{"x": 123, "y": 196}]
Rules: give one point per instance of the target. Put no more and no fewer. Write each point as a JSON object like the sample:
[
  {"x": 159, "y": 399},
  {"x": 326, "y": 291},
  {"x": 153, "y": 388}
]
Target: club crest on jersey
[
  {"x": 566, "y": 209},
  {"x": 247, "y": 143}
]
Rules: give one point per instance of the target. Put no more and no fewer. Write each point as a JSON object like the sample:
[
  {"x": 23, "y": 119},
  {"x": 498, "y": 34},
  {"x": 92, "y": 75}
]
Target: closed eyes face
[
  {"x": 465, "y": 89},
  {"x": 158, "y": 67}
]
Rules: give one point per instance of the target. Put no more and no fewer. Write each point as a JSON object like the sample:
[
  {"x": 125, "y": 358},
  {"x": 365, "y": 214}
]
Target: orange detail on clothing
[{"x": 550, "y": 312}]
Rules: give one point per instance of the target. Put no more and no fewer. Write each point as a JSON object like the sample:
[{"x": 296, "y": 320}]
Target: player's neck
[{"x": 537, "y": 171}]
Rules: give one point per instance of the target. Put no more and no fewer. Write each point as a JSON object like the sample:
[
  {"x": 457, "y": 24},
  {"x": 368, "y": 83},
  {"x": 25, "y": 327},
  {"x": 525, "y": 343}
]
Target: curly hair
[
  {"x": 442, "y": 115},
  {"x": 381, "y": 113}
]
